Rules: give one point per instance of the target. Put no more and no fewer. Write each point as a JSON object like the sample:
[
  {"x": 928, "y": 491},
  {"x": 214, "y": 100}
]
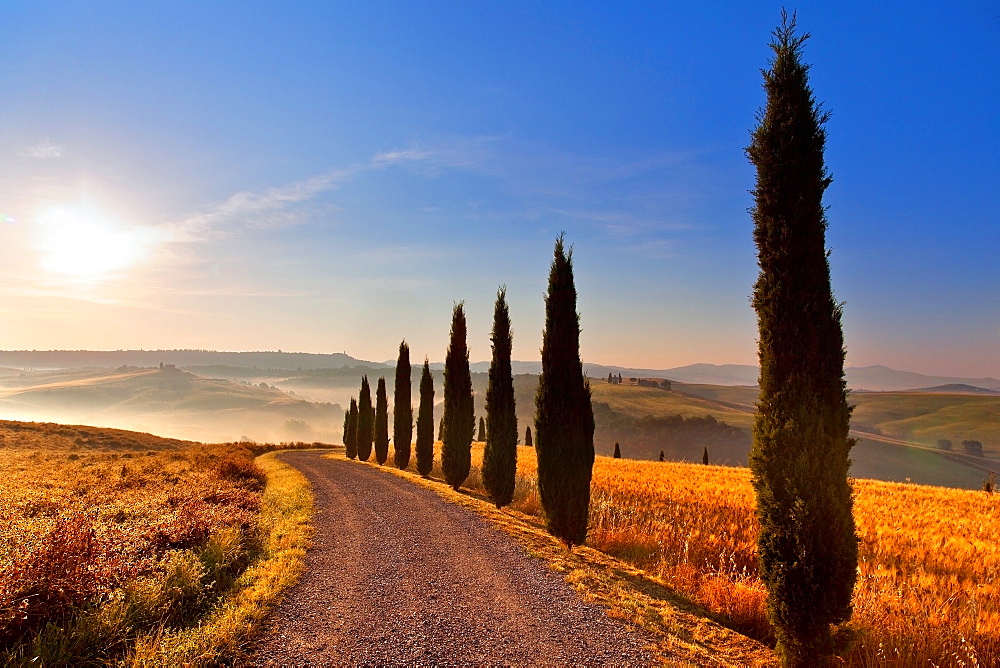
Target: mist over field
[{"x": 289, "y": 397}]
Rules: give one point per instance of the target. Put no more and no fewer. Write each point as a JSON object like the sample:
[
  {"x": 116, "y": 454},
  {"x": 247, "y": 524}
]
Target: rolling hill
[{"x": 169, "y": 403}]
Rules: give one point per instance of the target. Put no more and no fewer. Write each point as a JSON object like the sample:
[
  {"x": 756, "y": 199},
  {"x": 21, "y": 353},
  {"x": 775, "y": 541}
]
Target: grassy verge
[
  {"x": 686, "y": 634},
  {"x": 285, "y": 513}
]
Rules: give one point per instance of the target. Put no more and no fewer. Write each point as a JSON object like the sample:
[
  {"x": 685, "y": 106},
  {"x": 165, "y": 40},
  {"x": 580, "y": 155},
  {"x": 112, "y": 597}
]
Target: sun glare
[{"x": 82, "y": 242}]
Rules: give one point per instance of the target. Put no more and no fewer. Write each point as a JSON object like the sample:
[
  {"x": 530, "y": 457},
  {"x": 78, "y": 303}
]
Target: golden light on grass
[{"x": 123, "y": 547}]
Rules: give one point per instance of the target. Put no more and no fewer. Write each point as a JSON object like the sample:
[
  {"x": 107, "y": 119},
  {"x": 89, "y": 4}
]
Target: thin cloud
[
  {"x": 45, "y": 150},
  {"x": 260, "y": 210}
]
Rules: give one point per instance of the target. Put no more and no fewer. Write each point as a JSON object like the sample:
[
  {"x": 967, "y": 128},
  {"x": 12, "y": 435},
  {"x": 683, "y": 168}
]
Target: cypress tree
[
  {"x": 618, "y": 451},
  {"x": 351, "y": 432},
  {"x": 564, "y": 418},
  {"x": 402, "y": 409},
  {"x": 366, "y": 420},
  {"x": 704, "y": 456},
  {"x": 527, "y": 437},
  {"x": 661, "y": 456},
  {"x": 425, "y": 422},
  {"x": 347, "y": 426},
  {"x": 799, "y": 459},
  {"x": 459, "y": 416},
  {"x": 481, "y": 437},
  {"x": 441, "y": 429},
  {"x": 500, "y": 454},
  {"x": 381, "y": 423},
  {"x": 610, "y": 379}
]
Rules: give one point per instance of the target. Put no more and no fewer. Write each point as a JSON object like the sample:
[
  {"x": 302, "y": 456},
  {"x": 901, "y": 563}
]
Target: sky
[{"x": 333, "y": 177}]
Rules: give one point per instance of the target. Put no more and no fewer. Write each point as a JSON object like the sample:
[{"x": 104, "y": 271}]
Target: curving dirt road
[{"x": 397, "y": 576}]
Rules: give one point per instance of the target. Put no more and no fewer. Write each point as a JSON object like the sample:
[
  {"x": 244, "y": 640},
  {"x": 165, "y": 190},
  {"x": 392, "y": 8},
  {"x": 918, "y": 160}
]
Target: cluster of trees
[
  {"x": 614, "y": 380},
  {"x": 969, "y": 447}
]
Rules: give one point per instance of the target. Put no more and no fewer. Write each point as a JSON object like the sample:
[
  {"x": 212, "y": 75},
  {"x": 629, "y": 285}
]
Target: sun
[{"x": 80, "y": 241}]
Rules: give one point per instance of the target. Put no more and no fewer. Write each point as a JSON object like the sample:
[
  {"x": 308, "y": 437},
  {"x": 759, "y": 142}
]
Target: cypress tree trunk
[
  {"x": 500, "y": 454},
  {"x": 799, "y": 458},
  {"x": 564, "y": 418},
  {"x": 366, "y": 419},
  {"x": 402, "y": 409},
  {"x": 459, "y": 415},
  {"x": 381, "y": 423},
  {"x": 351, "y": 433},
  {"x": 425, "y": 422}
]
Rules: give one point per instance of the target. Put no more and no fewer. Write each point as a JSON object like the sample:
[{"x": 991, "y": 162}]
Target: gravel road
[{"x": 398, "y": 576}]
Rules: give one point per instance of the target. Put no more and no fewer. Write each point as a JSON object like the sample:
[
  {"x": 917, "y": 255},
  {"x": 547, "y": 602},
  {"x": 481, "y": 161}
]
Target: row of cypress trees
[{"x": 564, "y": 420}]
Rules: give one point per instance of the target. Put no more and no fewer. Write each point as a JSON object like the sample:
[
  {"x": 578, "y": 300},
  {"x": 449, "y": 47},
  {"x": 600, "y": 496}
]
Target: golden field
[
  {"x": 115, "y": 544},
  {"x": 928, "y": 589}
]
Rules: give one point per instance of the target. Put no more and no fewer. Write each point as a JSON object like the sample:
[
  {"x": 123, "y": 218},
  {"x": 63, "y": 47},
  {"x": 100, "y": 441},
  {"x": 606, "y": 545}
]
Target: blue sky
[{"x": 332, "y": 176}]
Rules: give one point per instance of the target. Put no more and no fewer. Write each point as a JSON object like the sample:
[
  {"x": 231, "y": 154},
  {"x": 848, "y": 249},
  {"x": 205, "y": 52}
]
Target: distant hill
[
  {"x": 955, "y": 388},
  {"x": 76, "y": 359},
  {"x": 873, "y": 378},
  {"x": 170, "y": 403}
]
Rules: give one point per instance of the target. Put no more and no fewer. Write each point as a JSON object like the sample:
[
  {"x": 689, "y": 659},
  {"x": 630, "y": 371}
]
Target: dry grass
[
  {"x": 107, "y": 535},
  {"x": 928, "y": 588}
]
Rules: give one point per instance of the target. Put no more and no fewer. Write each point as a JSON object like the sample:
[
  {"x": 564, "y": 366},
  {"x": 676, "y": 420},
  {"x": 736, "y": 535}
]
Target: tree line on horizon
[{"x": 799, "y": 456}]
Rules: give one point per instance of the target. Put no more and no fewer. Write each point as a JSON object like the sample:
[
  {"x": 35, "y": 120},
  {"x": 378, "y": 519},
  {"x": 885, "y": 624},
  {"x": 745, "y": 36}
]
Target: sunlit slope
[
  {"x": 172, "y": 403},
  {"x": 918, "y": 417},
  {"x": 642, "y": 401},
  {"x": 872, "y": 458},
  {"x": 925, "y": 418}
]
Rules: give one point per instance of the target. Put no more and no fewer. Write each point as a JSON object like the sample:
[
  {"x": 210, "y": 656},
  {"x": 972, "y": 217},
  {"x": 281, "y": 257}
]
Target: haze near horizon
[{"x": 333, "y": 178}]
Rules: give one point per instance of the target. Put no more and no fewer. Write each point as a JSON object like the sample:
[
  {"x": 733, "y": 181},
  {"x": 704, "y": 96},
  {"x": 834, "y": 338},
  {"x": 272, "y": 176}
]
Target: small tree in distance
[
  {"x": 500, "y": 454},
  {"x": 481, "y": 436},
  {"x": 425, "y": 422},
  {"x": 527, "y": 437},
  {"x": 704, "y": 456},
  {"x": 564, "y": 418},
  {"x": 366, "y": 420},
  {"x": 459, "y": 415},
  {"x": 381, "y": 423},
  {"x": 402, "y": 409},
  {"x": 618, "y": 451}
]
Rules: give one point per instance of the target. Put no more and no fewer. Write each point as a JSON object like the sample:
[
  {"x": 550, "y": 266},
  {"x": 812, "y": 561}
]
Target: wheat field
[{"x": 928, "y": 591}]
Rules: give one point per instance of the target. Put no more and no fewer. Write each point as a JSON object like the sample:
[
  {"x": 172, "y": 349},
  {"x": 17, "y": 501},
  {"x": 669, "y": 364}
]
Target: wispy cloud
[
  {"x": 45, "y": 150},
  {"x": 267, "y": 209}
]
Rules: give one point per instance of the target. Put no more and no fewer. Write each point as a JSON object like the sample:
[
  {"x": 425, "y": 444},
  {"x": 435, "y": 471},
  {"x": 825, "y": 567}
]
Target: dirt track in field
[{"x": 398, "y": 576}]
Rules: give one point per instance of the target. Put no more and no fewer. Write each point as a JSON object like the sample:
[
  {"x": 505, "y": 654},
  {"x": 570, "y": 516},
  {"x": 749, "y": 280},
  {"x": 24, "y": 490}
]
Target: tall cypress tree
[
  {"x": 564, "y": 418},
  {"x": 527, "y": 437},
  {"x": 402, "y": 409},
  {"x": 459, "y": 415},
  {"x": 500, "y": 455},
  {"x": 481, "y": 437},
  {"x": 351, "y": 430},
  {"x": 808, "y": 547},
  {"x": 366, "y": 419},
  {"x": 381, "y": 423},
  {"x": 425, "y": 422}
]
